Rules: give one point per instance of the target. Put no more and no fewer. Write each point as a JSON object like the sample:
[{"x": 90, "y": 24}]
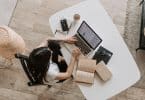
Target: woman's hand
[
  {"x": 70, "y": 40},
  {"x": 76, "y": 53}
]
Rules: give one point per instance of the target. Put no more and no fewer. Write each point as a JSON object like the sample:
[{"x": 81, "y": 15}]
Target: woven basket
[{"x": 10, "y": 43}]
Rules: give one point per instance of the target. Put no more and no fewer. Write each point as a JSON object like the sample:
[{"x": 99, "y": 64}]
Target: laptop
[{"x": 87, "y": 39}]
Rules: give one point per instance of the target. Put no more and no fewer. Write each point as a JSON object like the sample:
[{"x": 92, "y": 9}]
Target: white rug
[{"x": 6, "y": 10}]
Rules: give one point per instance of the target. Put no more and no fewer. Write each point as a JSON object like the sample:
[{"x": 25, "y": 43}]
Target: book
[
  {"x": 85, "y": 71},
  {"x": 102, "y": 70},
  {"x": 102, "y": 54}
]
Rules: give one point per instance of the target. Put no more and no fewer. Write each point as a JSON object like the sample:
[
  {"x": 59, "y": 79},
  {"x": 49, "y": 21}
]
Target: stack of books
[{"x": 87, "y": 68}]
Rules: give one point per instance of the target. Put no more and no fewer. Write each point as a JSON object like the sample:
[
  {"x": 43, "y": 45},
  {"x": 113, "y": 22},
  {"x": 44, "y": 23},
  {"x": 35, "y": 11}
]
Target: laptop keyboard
[{"x": 82, "y": 46}]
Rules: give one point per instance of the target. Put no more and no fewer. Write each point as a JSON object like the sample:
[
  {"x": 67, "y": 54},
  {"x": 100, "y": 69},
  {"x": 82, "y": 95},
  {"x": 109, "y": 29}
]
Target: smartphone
[{"x": 64, "y": 25}]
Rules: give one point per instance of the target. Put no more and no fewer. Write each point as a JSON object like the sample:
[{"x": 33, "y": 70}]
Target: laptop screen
[{"x": 88, "y": 35}]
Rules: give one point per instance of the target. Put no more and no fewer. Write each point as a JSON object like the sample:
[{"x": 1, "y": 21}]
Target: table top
[{"x": 122, "y": 65}]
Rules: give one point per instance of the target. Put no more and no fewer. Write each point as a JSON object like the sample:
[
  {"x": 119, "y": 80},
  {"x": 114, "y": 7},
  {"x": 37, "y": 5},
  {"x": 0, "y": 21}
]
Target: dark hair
[
  {"x": 40, "y": 58},
  {"x": 55, "y": 47}
]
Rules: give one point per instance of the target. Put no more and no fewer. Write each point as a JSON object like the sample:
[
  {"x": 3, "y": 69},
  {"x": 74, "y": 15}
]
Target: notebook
[{"x": 102, "y": 54}]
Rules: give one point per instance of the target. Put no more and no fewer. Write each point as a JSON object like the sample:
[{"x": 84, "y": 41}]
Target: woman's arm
[
  {"x": 70, "y": 68},
  {"x": 64, "y": 39}
]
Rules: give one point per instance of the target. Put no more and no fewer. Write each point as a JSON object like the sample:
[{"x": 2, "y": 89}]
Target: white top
[
  {"x": 52, "y": 72},
  {"x": 122, "y": 65}
]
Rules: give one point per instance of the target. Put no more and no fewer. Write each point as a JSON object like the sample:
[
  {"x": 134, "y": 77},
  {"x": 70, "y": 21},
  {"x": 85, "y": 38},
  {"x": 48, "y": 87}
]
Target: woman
[{"x": 49, "y": 63}]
